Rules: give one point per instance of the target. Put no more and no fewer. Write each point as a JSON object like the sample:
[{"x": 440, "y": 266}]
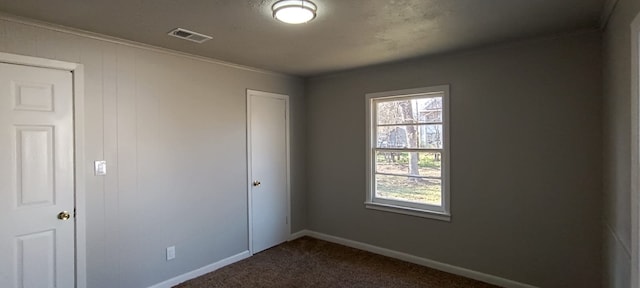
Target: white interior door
[
  {"x": 36, "y": 178},
  {"x": 268, "y": 169}
]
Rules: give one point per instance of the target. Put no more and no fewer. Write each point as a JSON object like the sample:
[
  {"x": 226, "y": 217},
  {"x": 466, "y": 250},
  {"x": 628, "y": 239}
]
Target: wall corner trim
[
  {"x": 491, "y": 279},
  {"x": 635, "y": 151},
  {"x": 299, "y": 234},
  {"x": 203, "y": 270}
]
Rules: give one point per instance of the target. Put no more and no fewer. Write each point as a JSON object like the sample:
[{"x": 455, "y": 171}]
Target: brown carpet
[{"x": 308, "y": 262}]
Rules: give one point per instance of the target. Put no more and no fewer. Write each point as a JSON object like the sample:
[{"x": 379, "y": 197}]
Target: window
[{"x": 408, "y": 151}]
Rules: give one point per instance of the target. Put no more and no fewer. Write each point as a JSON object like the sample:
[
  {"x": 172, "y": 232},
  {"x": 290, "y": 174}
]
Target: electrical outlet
[
  {"x": 100, "y": 168},
  {"x": 171, "y": 252}
]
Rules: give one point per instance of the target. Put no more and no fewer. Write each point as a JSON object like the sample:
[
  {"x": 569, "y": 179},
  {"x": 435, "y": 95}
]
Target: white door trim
[
  {"x": 77, "y": 70},
  {"x": 635, "y": 155},
  {"x": 288, "y": 162}
]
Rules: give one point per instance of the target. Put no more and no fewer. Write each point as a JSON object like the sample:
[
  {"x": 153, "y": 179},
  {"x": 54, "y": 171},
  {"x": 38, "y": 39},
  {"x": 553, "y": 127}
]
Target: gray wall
[
  {"x": 173, "y": 132},
  {"x": 617, "y": 140},
  {"x": 526, "y": 146},
  {"x": 525, "y": 160}
]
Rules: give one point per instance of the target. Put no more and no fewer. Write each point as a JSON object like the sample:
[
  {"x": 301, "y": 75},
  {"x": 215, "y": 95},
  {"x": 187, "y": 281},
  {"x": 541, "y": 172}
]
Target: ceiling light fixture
[{"x": 294, "y": 11}]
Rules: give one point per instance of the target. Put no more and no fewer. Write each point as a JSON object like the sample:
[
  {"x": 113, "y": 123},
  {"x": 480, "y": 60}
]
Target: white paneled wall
[{"x": 172, "y": 129}]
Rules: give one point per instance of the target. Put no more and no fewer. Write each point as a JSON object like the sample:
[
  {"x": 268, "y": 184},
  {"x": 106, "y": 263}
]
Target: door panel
[
  {"x": 268, "y": 166},
  {"x": 34, "y": 165},
  {"x": 36, "y": 177},
  {"x": 35, "y": 259}
]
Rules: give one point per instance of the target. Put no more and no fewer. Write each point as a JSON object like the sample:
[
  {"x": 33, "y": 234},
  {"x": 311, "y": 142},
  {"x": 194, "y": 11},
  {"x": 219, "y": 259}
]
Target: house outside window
[{"x": 408, "y": 151}]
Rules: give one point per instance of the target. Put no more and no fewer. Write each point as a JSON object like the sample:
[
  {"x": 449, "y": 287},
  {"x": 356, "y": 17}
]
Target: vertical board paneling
[
  {"x": 47, "y": 47},
  {"x": 111, "y": 190},
  {"x": 172, "y": 130},
  {"x": 132, "y": 225},
  {"x": 91, "y": 56},
  {"x": 22, "y": 40}
]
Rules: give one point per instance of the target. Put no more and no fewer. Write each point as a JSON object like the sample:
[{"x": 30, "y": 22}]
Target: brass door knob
[
  {"x": 256, "y": 183},
  {"x": 64, "y": 215}
]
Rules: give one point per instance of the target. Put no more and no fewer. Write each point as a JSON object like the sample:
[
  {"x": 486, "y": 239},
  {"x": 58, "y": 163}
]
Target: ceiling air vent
[{"x": 189, "y": 35}]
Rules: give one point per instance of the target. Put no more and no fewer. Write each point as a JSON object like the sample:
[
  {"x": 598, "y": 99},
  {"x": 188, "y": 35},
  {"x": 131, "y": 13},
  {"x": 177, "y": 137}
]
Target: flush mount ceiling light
[{"x": 294, "y": 11}]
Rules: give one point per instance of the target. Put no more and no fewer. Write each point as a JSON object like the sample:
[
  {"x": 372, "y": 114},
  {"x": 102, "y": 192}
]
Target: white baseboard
[
  {"x": 491, "y": 279},
  {"x": 487, "y": 278},
  {"x": 204, "y": 270}
]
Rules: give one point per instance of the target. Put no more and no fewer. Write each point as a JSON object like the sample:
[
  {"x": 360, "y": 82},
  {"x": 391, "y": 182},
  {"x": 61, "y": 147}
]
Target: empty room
[{"x": 319, "y": 143}]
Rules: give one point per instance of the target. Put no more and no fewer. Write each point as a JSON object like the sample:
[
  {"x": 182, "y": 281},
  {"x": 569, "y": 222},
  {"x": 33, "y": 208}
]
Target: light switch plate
[
  {"x": 100, "y": 168},
  {"x": 171, "y": 252}
]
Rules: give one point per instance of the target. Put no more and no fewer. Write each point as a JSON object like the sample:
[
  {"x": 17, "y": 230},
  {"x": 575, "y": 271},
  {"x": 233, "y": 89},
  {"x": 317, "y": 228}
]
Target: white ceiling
[{"x": 346, "y": 34}]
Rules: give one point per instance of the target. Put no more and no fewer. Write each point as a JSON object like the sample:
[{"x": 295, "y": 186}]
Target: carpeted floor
[{"x": 308, "y": 262}]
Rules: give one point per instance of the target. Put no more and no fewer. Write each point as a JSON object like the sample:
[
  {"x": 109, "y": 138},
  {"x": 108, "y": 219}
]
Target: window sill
[{"x": 409, "y": 211}]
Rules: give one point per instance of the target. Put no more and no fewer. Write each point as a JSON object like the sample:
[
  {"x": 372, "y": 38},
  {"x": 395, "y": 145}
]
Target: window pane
[
  {"x": 420, "y": 110},
  {"x": 409, "y": 163},
  {"x": 409, "y": 189},
  {"x": 410, "y": 136},
  {"x": 429, "y": 109}
]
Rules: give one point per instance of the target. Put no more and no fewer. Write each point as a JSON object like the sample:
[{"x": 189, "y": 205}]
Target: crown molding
[{"x": 101, "y": 37}]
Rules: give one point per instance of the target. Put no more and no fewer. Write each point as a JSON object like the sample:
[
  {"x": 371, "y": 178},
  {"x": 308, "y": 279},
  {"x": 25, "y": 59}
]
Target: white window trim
[{"x": 434, "y": 212}]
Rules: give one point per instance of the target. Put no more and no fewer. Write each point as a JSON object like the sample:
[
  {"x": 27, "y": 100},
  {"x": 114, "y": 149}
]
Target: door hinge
[{"x": 286, "y": 220}]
